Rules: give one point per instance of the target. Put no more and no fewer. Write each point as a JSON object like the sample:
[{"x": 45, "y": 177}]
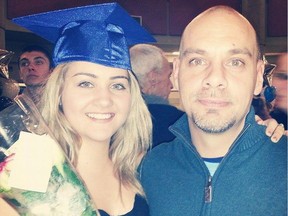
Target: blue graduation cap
[{"x": 99, "y": 33}]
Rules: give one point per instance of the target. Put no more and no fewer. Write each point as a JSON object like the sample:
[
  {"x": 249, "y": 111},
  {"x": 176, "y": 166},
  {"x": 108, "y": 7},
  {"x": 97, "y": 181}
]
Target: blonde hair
[{"x": 127, "y": 145}]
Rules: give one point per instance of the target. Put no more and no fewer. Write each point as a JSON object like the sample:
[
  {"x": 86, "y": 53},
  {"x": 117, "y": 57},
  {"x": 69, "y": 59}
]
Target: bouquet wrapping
[{"x": 36, "y": 177}]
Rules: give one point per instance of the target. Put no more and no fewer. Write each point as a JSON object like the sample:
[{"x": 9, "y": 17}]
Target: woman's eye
[
  {"x": 86, "y": 84},
  {"x": 118, "y": 86}
]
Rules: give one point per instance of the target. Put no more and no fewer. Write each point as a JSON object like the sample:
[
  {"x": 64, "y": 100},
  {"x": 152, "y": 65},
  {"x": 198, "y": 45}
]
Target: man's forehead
[
  {"x": 204, "y": 41},
  {"x": 219, "y": 22},
  {"x": 200, "y": 40},
  {"x": 33, "y": 55}
]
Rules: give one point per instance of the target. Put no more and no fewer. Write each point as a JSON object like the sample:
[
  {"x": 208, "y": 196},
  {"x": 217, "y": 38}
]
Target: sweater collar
[{"x": 250, "y": 135}]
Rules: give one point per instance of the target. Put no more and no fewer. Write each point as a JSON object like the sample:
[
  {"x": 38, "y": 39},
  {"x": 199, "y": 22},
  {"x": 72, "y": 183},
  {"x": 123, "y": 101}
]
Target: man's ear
[
  {"x": 152, "y": 77},
  {"x": 175, "y": 72},
  {"x": 149, "y": 83},
  {"x": 259, "y": 77}
]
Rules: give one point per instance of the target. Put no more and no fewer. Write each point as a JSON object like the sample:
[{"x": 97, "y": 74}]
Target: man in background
[
  {"x": 153, "y": 72},
  {"x": 279, "y": 80},
  {"x": 35, "y": 65}
]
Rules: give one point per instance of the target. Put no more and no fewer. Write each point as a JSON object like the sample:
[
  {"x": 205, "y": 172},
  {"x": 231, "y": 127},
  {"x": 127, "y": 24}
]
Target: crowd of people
[{"x": 105, "y": 100}]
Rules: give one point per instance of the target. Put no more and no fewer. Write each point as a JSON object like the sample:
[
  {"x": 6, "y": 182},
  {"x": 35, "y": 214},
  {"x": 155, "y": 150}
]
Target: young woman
[
  {"x": 98, "y": 116},
  {"x": 92, "y": 102}
]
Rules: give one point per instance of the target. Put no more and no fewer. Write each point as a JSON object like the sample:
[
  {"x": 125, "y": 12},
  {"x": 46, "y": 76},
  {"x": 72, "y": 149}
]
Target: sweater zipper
[
  {"x": 208, "y": 190},
  {"x": 208, "y": 187}
]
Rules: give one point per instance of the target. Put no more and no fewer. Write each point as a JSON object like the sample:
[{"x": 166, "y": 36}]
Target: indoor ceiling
[{"x": 165, "y": 19}]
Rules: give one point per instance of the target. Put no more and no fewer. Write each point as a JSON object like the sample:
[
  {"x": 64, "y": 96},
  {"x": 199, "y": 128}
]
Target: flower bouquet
[{"x": 36, "y": 178}]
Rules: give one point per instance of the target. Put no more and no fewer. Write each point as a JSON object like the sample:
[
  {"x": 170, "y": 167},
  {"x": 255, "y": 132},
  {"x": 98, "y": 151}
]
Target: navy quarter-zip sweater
[{"x": 251, "y": 180}]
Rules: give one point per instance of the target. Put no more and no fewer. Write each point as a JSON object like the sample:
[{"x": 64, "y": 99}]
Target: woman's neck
[
  {"x": 93, "y": 157},
  {"x": 97, "y": 171}
]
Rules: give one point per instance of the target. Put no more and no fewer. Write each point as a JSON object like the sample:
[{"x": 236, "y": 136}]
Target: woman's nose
[{"x": 103, "y": 97}]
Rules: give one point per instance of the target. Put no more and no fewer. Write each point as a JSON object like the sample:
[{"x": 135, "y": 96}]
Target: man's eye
[
  {"x": 236, "y": 63},
  {"x": 24, "y": 64},
  {"x": 197, "y": 61},
  {"x": 86, "y": 84},
  {"x": 39, "y": 62}
]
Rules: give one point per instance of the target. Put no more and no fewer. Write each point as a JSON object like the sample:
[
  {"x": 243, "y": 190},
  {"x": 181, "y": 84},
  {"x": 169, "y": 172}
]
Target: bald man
[{"x": 221, "y": 162}]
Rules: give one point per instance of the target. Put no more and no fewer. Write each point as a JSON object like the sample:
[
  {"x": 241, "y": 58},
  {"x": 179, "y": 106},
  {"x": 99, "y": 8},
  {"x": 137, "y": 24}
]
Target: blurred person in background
[
  {"x": 279, "y": 80},
  {"x": 153, "y": 72},
  {"x": 35, "y": 66}
]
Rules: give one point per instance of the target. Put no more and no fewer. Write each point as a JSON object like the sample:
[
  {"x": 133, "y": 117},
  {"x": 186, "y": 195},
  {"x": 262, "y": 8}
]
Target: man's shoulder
[
  {"x": 163, "y": 148},
  {"x": 281, "y": 144},
  {"x": 275, "y": 151},
  {"x": 162, "y": 151},
  {"x": 256, "y": 134},
  {"x": 159, "y": 158}
]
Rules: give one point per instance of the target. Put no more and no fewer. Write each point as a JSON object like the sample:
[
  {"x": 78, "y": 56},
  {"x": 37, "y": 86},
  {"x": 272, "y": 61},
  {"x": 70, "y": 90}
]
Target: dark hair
[{"x": 37, "y": 48}]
